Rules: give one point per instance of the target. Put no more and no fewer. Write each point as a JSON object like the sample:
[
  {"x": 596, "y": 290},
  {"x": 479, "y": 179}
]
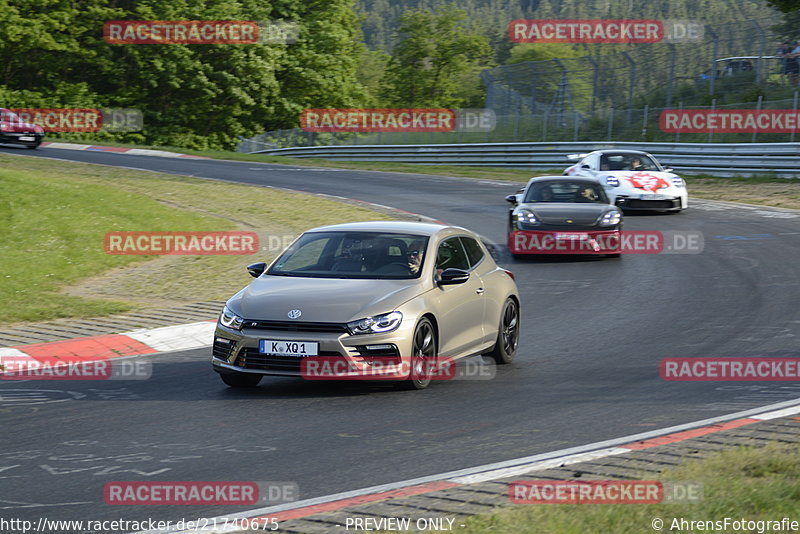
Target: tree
[
  {"x": 434, "y": 50},
  {"x": 52, "y": 54}
]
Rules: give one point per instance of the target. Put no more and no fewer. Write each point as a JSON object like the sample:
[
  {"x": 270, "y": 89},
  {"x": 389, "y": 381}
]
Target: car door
[
  {"x": 484, "y": 267},
  {"x": 459, "y": 307}
]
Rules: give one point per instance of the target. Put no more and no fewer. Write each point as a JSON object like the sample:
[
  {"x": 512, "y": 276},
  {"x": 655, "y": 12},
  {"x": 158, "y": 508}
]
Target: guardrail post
[
  {"x": 758, "y": 108},
  {"x": 794, "y": 108}
]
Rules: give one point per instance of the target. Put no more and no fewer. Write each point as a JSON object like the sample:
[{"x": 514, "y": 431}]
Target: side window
[
  {"x": 474, "y": 250},
  {"x": 451, "y": 255}
]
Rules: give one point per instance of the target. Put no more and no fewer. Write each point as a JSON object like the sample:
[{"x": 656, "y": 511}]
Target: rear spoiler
[{"x": 576, "y": 157}]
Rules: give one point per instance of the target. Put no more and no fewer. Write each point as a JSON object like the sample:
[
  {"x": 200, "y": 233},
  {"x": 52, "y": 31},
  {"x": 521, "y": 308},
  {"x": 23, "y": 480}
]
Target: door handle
[{"x": 479, "y": 291}]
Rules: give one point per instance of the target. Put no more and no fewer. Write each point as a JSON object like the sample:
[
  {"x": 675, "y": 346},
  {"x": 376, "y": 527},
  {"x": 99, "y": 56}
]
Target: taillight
[{"x": 509, "y": 273}]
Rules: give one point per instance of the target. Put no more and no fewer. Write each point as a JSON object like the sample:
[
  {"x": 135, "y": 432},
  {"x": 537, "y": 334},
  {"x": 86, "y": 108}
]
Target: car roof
[
  {"x": 621, "y": 151},
  {"x": 410, "y": 227},
  {"x": 536, "y": 179}
]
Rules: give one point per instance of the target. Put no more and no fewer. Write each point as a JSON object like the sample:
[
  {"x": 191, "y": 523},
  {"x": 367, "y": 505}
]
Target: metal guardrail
[{"x": 724, "y": 159}]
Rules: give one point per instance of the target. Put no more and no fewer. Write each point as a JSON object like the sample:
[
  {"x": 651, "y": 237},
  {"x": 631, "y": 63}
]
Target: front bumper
[
  {"x": 661, "y": 204},
  {"x": 21, "y": 138},
  {"x": 341, "y": 356},
  {"x": 564, "y": 241}
]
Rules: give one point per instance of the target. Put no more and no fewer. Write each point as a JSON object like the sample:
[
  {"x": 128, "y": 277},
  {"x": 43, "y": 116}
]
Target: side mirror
[
  {"x": 452, "y": 276},
  {"x": 512, "y": 199},
  {"x": 257, "y": 269},
  {"x": 668, "y": 169}
]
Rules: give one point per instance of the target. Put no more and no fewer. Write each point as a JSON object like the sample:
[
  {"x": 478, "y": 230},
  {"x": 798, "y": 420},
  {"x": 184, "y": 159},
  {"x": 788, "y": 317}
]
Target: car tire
[
  {"x": 32, "y": 147},
  {"x": 424, "y": 346},
  {"x": 240, "y": 380},
  {"x": 615, "y": 256},
  {"x": 505, "y": 347}
]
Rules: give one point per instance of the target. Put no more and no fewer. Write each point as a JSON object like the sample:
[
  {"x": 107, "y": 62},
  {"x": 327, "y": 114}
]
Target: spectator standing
[
  {"x": 782, "y": 51},
  {"x": 792, "y": 67}
]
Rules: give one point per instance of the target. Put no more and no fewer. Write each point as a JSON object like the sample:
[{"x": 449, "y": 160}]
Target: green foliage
[
  {"x": 434, "y": 53},
  {"x": 52, "y": 55},
  {"x": 785, "y": 5},
  {"x": 542, "y": 51}
]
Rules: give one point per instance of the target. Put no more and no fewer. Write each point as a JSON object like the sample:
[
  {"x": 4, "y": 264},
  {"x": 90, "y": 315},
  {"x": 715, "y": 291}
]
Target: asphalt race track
[{"x": 593, "y": 334}]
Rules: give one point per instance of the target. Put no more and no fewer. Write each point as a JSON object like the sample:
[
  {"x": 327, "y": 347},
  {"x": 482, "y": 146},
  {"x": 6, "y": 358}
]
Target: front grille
[
  {"x": 651, "y": 204},
  {"x": 385, "y": 352},
  {"x": 223, "y": 348},
  {"x": 292, "y": 326},
  {"x": 566, "y": 227},
  {"x": 251, "y": 358}
]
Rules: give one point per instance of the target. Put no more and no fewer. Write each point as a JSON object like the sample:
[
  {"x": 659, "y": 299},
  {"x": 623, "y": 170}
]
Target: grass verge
[
  {"x": 744, "y": 483},
  {"x": 54, "y": 215}
]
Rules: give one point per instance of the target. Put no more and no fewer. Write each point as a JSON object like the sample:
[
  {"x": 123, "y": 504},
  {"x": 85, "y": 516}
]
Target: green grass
[
  {"x": 54, "y": 215},
  {"x": 749, "y": 483}
]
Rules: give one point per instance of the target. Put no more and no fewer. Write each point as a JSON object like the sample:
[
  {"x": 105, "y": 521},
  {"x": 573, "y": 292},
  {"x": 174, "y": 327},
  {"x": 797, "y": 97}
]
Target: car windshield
[
  {"x": 373, "y": 255},
  {"x": 566, "y": 191},
  {"x": 627, "y": 161}
]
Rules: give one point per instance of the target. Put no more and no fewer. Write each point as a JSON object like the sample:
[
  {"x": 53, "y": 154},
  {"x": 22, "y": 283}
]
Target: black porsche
[{"x": 563, "y": 215}]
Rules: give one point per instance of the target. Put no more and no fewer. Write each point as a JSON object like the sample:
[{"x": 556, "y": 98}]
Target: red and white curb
[
  {"x": 499, "y": 470},
  {"x": 133, "y": 343},
  {"x": 121, "y": 150}
]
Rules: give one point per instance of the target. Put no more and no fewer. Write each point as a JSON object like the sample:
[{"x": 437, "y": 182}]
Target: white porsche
[{"x": 633, "y": 180}]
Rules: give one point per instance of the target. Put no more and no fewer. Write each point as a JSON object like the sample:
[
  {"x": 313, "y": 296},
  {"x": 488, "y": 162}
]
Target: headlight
[
  {"x": 230, "y": 320},
  {"x": 611, "y": 218},
  {"x": 527, "y": 217},
  {"x": 677, "y": 181},
  {"x": 377, "y": 324},
  {"x": 612, "y": 181}
]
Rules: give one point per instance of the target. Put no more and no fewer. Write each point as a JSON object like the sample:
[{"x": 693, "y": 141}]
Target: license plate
[
  {"x": 27, "y": 138},
  {"x": 652, "y": 197},
  {"x": 288, "y": 348},
  {"x": 572, "y": 236}
]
